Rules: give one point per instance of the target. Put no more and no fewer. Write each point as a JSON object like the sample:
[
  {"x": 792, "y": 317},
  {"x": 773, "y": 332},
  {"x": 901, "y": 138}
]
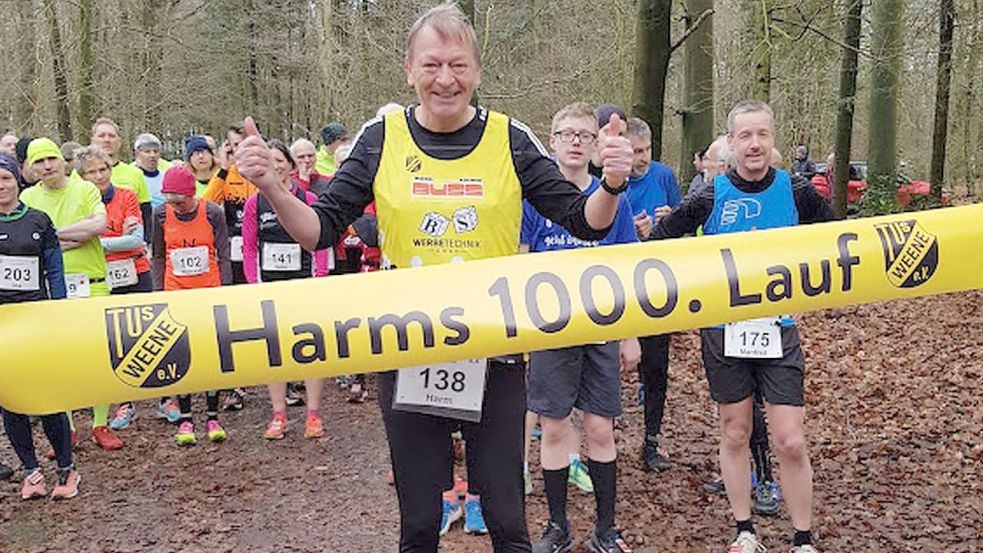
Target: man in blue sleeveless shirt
[{"x": 753, "y": 196}]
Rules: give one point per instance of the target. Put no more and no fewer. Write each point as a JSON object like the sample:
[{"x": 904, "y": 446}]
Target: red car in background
[{"x": 907, "y": 189}]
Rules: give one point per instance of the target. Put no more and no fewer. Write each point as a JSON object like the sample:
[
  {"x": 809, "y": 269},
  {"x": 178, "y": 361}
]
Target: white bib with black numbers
[
  {"x": 235, "y": 248},
  {"x": 19, "y": 273},
  {"x": 454, "y": 390},
  {"x": 754, "y": 339},
  {"x": 190, "y": 261},
  {"x": 121, "y": 273},
  {"x": 77, "y": 285},
  {"x": 281, "y": 256}
]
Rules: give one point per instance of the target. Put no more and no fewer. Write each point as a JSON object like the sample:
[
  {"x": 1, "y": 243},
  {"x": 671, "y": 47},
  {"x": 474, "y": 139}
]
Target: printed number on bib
[
  {"x": 453, "y": 390},
  {"x": 754, "y": 339},
  {"x": 77, "y": 285},
  {"x": 19, "y": 273},
  {"x": 235, "y": 248},
  {"x": 121, "y": 273},
  {"x": 190, "y": 261},
  {"x": 281, "y": 257}
]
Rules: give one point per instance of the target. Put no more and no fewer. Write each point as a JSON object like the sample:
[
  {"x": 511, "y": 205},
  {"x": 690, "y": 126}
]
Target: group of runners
[{"x": 255, "y": 210}]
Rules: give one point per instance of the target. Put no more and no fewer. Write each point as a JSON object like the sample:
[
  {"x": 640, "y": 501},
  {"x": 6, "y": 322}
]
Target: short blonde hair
[
  {"x": 748, "y": 106},
  {"x": 90, "y": 153},
  {"x": 576, "y": 109},
  {"x": 448, "y": 21},
  {"x": 104, "y": 121}
]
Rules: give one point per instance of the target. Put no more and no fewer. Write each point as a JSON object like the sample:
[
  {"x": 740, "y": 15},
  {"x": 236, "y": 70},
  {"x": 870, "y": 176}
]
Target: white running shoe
[{"x": 746, "y": 542}]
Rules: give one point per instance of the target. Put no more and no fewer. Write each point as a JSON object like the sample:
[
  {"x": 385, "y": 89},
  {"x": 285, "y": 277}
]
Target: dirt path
[{"x": 895, "y": 423}]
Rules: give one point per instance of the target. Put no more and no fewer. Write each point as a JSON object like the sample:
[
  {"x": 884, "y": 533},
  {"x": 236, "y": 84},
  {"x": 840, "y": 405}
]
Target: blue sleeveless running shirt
[{"x": 738, "y": 211}]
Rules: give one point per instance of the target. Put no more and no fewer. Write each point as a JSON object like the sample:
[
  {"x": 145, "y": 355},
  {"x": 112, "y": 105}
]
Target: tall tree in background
[
  {"x": 947, "y": 16},
  {"x": 760, "y": 12},
  {"x": 27, "y": 94},
  {"x": 847, "y": 103},
  {"x": 86, "y": 84},
  {"x": 698, "y": 68},
  {"x": 58, "y": 68},
  {"x": 882, "y": 136},
  {"x": 652, "y": 52}
]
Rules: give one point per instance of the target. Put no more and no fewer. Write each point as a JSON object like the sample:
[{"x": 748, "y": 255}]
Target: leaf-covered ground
[{"x": 894, "y": 417}]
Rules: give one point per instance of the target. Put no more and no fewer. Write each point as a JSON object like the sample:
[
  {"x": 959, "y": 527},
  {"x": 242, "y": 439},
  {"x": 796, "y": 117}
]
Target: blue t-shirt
[
  {"x": 543, "y": 235},
  {"x": 656, "y": 188}
]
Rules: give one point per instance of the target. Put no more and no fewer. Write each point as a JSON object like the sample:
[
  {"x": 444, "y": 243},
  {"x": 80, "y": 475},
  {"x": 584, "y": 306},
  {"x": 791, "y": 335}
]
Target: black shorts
[
  {"x": 732, "y": 379},
  {"x": 587, "y": 377}
]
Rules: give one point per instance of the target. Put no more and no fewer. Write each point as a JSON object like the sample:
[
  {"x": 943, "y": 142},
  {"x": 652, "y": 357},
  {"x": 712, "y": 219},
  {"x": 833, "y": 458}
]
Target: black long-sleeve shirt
[
  {"x": 696, "y": 209},
  {"x": 543, "y": 185}
]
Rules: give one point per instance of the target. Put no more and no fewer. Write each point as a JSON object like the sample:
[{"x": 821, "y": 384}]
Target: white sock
[
  {"x": 574, "y": 457},
  {"x": 525, "y": 467}
]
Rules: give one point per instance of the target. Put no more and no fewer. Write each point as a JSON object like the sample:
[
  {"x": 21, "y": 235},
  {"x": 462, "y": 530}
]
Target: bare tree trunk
[
  {"x": 86, "y": 109},
  {"x": 881, "y": 196},
  {"x": 652, "y": 51},
  {"x": 760, "y": 11},
  {"x": 947, "y": 16},
  {"x": 697, "y": 87},
  {"x": 25, "y": 107},
  {"x": 61, "y": 81},
  {"x": 152, "y": 59},
  {"x": 847, "y": 104}
]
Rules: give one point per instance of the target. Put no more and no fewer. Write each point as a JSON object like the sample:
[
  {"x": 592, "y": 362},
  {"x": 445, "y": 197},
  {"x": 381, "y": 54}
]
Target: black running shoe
[
  {"x": 766, "y": 498},
  {"x": 555, "y": 540},
  {"x": 234, "y": 400},
  {"x": 653, "y": 456},
  {"x": 5, "y": 472},
  {"x": 715, "y": 486},
  {"x": 609, "y": 541},
  {"x": 295, "y": 396}
]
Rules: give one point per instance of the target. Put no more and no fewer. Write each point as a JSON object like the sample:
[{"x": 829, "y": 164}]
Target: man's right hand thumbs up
[{"x": 254, "y": 159}]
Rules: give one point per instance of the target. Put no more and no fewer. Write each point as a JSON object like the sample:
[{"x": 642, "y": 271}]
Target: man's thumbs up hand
[
  {"x": 616, "y": 152},
  {"x": 254, "y": 159}
]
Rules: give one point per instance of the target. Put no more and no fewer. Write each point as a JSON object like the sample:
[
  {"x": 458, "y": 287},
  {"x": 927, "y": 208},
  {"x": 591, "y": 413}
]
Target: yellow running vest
[{"x": 433, "y": 211}]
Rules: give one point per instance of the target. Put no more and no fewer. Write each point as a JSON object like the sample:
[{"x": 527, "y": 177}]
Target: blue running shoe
[
  {"x": 766, "y": 498},
  {"x": 474, "y": 521},
  {"x": 579, "y": 476},
  {"x": 452, "y": 511},
  {"x": 124, "y": 416},
  {"x": 169, "y": 410}
]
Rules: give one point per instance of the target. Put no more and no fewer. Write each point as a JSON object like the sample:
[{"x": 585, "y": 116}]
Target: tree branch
[
  {"x": 690, "y": 30},
  {"x": 807, "y": 28}
]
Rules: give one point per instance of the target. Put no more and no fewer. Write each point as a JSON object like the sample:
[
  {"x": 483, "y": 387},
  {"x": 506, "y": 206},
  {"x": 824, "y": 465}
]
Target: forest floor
[{"x": 894, "y": 421}]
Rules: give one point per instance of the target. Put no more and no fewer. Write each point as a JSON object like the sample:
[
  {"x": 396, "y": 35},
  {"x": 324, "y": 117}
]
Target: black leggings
[
  {"x": 211, "y": 404},
  {"x": 654, "y": 372},
  {"x": 56, "y": 428},
  {"x": 423, "y": 461}
]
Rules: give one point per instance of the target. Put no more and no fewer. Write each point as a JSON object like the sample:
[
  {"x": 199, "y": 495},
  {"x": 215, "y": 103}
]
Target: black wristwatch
[{"x": 614, "y": 191}]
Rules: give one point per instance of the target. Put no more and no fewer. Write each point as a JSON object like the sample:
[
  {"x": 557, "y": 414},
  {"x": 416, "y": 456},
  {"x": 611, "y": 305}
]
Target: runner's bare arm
[
  {"x": 84, "y": 230},
  {"x": 255, "y": 162}
]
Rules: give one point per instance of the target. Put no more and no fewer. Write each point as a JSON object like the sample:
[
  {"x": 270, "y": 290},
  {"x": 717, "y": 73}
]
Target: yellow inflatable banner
[{"x": 69, "y": 354}]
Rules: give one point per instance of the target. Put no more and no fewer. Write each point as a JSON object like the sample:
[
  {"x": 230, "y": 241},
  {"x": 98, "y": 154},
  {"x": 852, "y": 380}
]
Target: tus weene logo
[
  {"x": 911, "y": 253},
  {"x": 147, "y": 347}
]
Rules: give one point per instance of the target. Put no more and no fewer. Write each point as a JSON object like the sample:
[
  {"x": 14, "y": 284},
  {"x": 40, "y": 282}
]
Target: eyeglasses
[{"x": 568, "y": 136}]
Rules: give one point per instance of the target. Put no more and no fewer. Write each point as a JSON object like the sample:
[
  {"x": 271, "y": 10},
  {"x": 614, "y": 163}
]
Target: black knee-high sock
[
  {"x": 556, "y": 495},
  {"x": 184, "y": 404},
  {"x": 604, "y": 477},
  {"x": 211, "y": 405}
]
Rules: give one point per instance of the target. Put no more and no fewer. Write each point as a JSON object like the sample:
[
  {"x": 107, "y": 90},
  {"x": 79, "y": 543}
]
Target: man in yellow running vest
[{"x": 448, "y": 179}]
